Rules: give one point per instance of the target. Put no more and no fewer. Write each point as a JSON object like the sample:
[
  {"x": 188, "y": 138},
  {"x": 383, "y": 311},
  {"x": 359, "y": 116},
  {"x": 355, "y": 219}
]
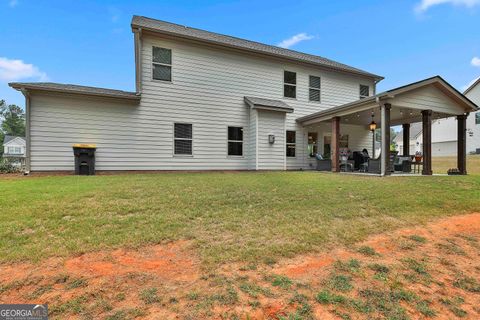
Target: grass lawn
[
  {"x": 442, "y": 164},
  {"x": 227, "y": 216}
]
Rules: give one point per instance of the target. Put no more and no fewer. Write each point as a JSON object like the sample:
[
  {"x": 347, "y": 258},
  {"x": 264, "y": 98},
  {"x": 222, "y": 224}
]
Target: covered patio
[{"x": 423, "y": 101}]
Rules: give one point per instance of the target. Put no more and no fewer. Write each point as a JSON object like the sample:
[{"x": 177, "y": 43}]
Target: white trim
[
  {"x": 234, "y": 156},
  {"x": 162, "y": 64},
  {"x": 360, "y": 91},
  {"x": 290, "y": 143},
  {"x": 289, "y": 84},
  {"x": 173, "y": 141}
]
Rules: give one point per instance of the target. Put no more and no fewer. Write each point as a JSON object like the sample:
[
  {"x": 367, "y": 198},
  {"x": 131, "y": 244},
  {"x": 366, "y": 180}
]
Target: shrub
[{"x": 7, "y": 166}]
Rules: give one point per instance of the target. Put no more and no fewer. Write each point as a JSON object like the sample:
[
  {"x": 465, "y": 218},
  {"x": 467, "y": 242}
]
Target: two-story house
[
  {"x": 14, "y": 149},
  {"x": 206, "y": 101}
]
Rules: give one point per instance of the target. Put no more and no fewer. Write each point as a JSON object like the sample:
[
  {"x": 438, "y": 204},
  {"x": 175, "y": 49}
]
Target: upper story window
[
  {"x": 183, "y": 139},
  {"x": 289, "y": 84},
  {"x": 14, "y": 150},
  {"x": 477, "y": 118},
  {"x": 364, "y": 91},
  {"x": 162, "y": 64},
  {"x": 314, "y": 88},
  {"x": 291, "y": 140},
  {"x": 235, "y": 141}
]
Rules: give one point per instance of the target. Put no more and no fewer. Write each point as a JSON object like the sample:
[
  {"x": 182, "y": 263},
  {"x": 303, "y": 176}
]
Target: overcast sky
[{"x": 91, "y": 43}]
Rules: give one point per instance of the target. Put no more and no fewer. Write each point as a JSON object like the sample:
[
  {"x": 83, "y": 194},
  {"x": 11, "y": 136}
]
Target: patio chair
[
  {"x": 403, "y": 164},
  {"x": 393, "y": 159}
]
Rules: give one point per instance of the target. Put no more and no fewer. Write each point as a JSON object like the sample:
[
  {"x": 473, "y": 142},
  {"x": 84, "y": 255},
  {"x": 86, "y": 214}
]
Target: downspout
[
  {"x": 138, "y": 59},
  {"x": 27, "y": 130}
]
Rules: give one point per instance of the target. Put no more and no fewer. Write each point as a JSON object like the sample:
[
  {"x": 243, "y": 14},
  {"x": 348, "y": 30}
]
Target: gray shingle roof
[
  {"x": 76, "y": 89},
  {"x": 392, "y": 92},
  {"x": 10, "y": 138},
  {"x": 233, "y": 42},
  {"x": 415, "y": 130},
  {"x": 268, "y": 104}
]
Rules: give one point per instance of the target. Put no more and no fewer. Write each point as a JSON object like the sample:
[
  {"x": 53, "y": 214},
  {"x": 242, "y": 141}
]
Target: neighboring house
[
  {"x": 14, "y": 149},
  {"x": 206, "y": 101},
  {"x": 444, "y": 134},
  {"x": 416, "y": 144}
]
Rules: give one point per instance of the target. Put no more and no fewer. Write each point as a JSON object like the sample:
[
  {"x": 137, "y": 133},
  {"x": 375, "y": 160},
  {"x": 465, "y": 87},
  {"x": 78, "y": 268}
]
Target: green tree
[{"x": 13, "y": 119}]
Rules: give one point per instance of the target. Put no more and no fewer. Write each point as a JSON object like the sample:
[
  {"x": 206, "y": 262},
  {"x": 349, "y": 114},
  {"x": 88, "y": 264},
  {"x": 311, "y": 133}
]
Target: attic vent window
[
  {"x": 162, "y": 64},
  {"x": 314, "y": 89},
  {"x": 364, "y": 91},
  {"x": 289, "y": 84}
]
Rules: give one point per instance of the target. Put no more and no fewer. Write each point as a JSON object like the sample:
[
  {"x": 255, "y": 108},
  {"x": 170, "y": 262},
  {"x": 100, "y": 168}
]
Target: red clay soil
[{"x": 437, "y": 267}]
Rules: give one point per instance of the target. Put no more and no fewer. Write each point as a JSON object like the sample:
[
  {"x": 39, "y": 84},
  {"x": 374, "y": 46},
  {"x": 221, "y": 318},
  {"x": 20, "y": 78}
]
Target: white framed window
[
  {"x": 314, "y": 88},
  {"x": 477, "y": 118},
  {"x": 14, "y": 150},
  {"x": 162, "y": 64},
  {"x": 289, "y": 84},
  {"x": 235, "y": 141},
  {"x": 183, "y": 139},
  {"x": 291, "y": 143},
  {"x": 364, "y": 91}
]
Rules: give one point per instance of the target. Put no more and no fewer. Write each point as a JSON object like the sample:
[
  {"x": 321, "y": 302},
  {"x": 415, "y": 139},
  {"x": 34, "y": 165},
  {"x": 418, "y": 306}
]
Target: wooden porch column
[
  {"x": 385, "y": 155},
  {"x": 406, "y": 139},
  {"x": 335, "y": 144},
  {"x": 462, "y": 143},
  {"x": 427, "y": 142}
]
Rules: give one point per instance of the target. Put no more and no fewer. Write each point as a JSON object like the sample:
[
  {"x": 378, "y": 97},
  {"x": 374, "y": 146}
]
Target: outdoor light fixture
[{"x": 373, "y": 124}]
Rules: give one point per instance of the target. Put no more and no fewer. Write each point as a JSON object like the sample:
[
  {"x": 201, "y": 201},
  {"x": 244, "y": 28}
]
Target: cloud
[
  {"x": 287, "y": 43},
  {"x": 475, "y": 62},
  {"x": 465, "y": 87},
  {"x": 14, "y": 70},
  {"x": 12, "y": 3},
  {"x": 115, "y": 14},
  {"x": 424, "y": 5}
]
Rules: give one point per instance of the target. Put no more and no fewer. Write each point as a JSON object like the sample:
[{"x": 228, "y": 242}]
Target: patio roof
[{"x": 407, "y": 101}]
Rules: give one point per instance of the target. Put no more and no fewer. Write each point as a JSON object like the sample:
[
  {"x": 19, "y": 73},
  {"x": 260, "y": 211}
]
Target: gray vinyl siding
[
  {"x": 207, "y": 90},
  {"x": 271, "y": 156}
]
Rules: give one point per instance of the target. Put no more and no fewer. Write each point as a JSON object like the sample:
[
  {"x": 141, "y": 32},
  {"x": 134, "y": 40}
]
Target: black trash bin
[{"x": 84, "y": 159}]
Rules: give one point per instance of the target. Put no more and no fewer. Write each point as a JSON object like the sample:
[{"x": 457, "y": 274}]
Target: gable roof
[
  {"x": 74, "y": 89},
  {"x": 415, "y": 129},
  {"x": 7, "y": 138},
  {"x": 168, "y": 28},
  {"x": 473, "y": 85},
  {"x": 268, "y": 104},
  {"x": 467, "y": 103}
]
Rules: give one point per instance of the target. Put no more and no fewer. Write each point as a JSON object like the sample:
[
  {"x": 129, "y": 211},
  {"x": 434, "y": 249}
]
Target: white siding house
[
  {"x": 209, "y": 82},
  {"x": 204, "y": 101},
  {"x": 14, "y": 147}
]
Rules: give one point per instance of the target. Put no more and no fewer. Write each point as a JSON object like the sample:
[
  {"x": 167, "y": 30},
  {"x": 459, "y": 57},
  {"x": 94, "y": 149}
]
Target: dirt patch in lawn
[{"x": 416, "y": 273}]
